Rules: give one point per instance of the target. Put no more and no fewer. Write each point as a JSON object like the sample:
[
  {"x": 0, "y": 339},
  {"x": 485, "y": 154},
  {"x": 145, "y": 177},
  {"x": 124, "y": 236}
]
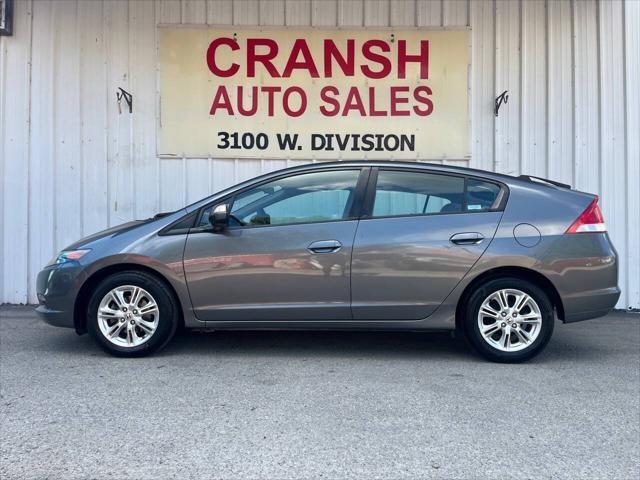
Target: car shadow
[
  {"x": 370, "y": 345},
  {"x": 335, "y": 344}
]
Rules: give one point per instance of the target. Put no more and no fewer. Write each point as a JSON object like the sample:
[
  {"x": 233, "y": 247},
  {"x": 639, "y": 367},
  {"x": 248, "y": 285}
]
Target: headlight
[{"x": 68, "y": 256}]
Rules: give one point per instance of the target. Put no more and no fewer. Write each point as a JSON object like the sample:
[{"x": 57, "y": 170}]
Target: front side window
[
  {"x": 413, "y": 193},
  {"x": 305, "y": 198}
]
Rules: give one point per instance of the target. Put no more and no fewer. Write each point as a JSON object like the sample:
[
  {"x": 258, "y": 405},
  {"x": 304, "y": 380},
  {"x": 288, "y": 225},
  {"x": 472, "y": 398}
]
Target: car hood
[{"x": 109, "y": 232}]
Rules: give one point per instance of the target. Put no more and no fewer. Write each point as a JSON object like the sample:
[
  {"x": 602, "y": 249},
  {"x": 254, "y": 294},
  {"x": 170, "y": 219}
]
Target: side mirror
[{"x": 219, "y": 218}]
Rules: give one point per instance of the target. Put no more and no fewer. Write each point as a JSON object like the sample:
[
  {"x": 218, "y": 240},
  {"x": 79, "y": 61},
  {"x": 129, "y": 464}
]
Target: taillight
[{"x": 590, "y": 220}]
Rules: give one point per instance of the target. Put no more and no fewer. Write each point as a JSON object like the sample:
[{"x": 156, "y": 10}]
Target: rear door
[
  {"x": 286, "y": 254},
  {"x": 421, "y": 234}
]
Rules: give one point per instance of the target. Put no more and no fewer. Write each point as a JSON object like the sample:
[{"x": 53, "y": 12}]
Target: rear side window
[
  {"x": 482, "y": 196},
  {"x": 413, "y": 193}
]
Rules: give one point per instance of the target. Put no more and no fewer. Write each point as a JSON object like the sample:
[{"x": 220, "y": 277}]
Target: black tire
[
  {"x": 168, "y": 318},
  {"x": 472, "y": 329}
]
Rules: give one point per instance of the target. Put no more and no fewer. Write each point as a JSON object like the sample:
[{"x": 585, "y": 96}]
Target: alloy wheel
[
  {"x": 509, "y": 320},
  {"x": 128, "y": 316}
]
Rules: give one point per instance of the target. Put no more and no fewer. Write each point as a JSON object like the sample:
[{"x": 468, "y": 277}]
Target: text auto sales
[{"x": 378, "y": 63}]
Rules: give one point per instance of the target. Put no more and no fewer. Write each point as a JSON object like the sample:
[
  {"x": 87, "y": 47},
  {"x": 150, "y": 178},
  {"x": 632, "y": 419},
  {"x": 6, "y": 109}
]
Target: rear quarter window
[{"x": 482, "y": 196}]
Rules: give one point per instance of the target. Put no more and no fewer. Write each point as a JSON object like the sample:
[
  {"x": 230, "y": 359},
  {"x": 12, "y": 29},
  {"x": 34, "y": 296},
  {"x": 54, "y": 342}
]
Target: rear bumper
[
  {"x": 590, "y": 305},
  {"x": 585, "y": 273}
]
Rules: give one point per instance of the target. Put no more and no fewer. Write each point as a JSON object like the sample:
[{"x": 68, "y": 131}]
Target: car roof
[
  {"x": 508, "y": 179},
  {"x": 432, "y": 167}
]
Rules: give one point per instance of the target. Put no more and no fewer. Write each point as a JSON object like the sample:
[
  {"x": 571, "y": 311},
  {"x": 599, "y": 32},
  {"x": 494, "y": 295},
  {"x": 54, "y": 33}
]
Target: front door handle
[
  {"x": 325, "y": 246},
  {"x": 467, "y": 238}
]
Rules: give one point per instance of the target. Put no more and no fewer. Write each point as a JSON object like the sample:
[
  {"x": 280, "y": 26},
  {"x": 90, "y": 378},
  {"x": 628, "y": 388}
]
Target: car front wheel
[
  {"x": 508, "y": 320},
  {"x": 132, "y": 314}
]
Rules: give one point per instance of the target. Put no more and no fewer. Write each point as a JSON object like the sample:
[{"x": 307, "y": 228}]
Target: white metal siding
[{"x": 71, "y": 165}]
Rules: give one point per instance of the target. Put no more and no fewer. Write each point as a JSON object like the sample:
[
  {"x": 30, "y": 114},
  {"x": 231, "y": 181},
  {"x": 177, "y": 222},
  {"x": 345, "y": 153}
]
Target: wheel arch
[
  {"x": 84, "y": 294},
  {"x": 518, "y": 272}
]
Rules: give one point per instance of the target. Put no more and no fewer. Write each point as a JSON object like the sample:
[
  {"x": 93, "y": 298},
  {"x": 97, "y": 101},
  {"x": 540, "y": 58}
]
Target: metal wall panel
[
  {"x": 376, "y": 13},
  {"x": 71, "y": 164},
  {"x": 298, "y": 12},
  {"x": 403, "y": 13},
  {"x": 219, "y": 12},
  {"x": 194, "y": 11},
  {"x": 560, "y": 92},
  {"x": 429, "y": 13},
  {"x": 507, "y": 77},
  {"x": 612, "y": 120},
  {"x": 533, "y": 75},
  {"x": 272, "y": 13},
  {"x": 42, "y": 223},
  {"x": 455, "y": 13},
  {"x": 15, "y": 97},
  {"x": 631, "y": 12},
  {"x": 482, "y": 83},
  {"x": 324, "y": 14}
]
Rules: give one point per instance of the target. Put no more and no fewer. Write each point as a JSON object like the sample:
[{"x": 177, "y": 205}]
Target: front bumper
[
  {"x": 57, "y": 287},
  {"x": 55, "y": 317}
]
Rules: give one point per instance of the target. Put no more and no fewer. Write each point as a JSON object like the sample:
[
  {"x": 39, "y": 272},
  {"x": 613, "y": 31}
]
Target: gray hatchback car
[{"x": 347, "y": 245}]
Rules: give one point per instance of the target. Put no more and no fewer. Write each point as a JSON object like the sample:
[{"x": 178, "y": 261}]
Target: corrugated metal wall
[{"x": 71, "y": 165}]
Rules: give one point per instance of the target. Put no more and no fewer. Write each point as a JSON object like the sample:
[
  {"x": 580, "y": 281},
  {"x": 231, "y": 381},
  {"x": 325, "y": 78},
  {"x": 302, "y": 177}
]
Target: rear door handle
[
  {"x": 467, "y": 238},
  {"x": 325, "y": 246}
]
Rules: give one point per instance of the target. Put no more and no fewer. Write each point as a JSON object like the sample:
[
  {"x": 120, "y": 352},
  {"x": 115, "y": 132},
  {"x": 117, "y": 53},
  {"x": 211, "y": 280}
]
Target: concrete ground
[{"x": 318, "y": 405}]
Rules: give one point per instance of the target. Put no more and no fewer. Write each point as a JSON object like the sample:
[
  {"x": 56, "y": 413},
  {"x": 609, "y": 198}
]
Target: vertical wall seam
[
  {"x": 599, "y": 67},
  {"x": 184, "y": 180},
  {"x": 521, "y": 83},
  {"x": 158, "y": 111},
  {"x": 3, "y": 70},
  {"x": 574, "y": 105},
  {"x": 133, "y": 145},
  {"x": 107, "y": 75},
  {"x": 210, "y": 177},
  {"x": 54, "y": 129},
  {"x": 495, "y": 75},
  {"x": 627, "y": 270},
  {"x": 155, "y": 14},
  {"x": 3, "y": 180},
  {"x": 80, "y": 115},
  {"x": 547, "y": 112},
  {"x": 29, "y": 152}
]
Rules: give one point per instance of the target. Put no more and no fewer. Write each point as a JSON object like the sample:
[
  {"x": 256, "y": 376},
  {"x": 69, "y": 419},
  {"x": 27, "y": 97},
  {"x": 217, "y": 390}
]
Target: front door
[
  {"x": 423, "y": 233},
  {"x": 285, "y": 256}
]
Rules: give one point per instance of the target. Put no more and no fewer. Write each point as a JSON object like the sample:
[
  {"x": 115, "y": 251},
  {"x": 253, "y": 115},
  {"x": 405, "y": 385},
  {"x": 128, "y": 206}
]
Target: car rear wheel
[
  {"x": 132, "y": 314},
  {"x": 508, "y": 320}
]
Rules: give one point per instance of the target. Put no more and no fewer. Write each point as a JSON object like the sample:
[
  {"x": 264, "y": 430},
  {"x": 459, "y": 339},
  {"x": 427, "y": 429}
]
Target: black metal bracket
[
  {"x": 500, "y": 99},
  {"x": 127, "y": 98},
  {"x": 6, "y": 18}
]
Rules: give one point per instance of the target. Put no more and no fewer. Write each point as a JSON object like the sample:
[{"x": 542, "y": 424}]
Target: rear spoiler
[{"x": 532, "y": 178}]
